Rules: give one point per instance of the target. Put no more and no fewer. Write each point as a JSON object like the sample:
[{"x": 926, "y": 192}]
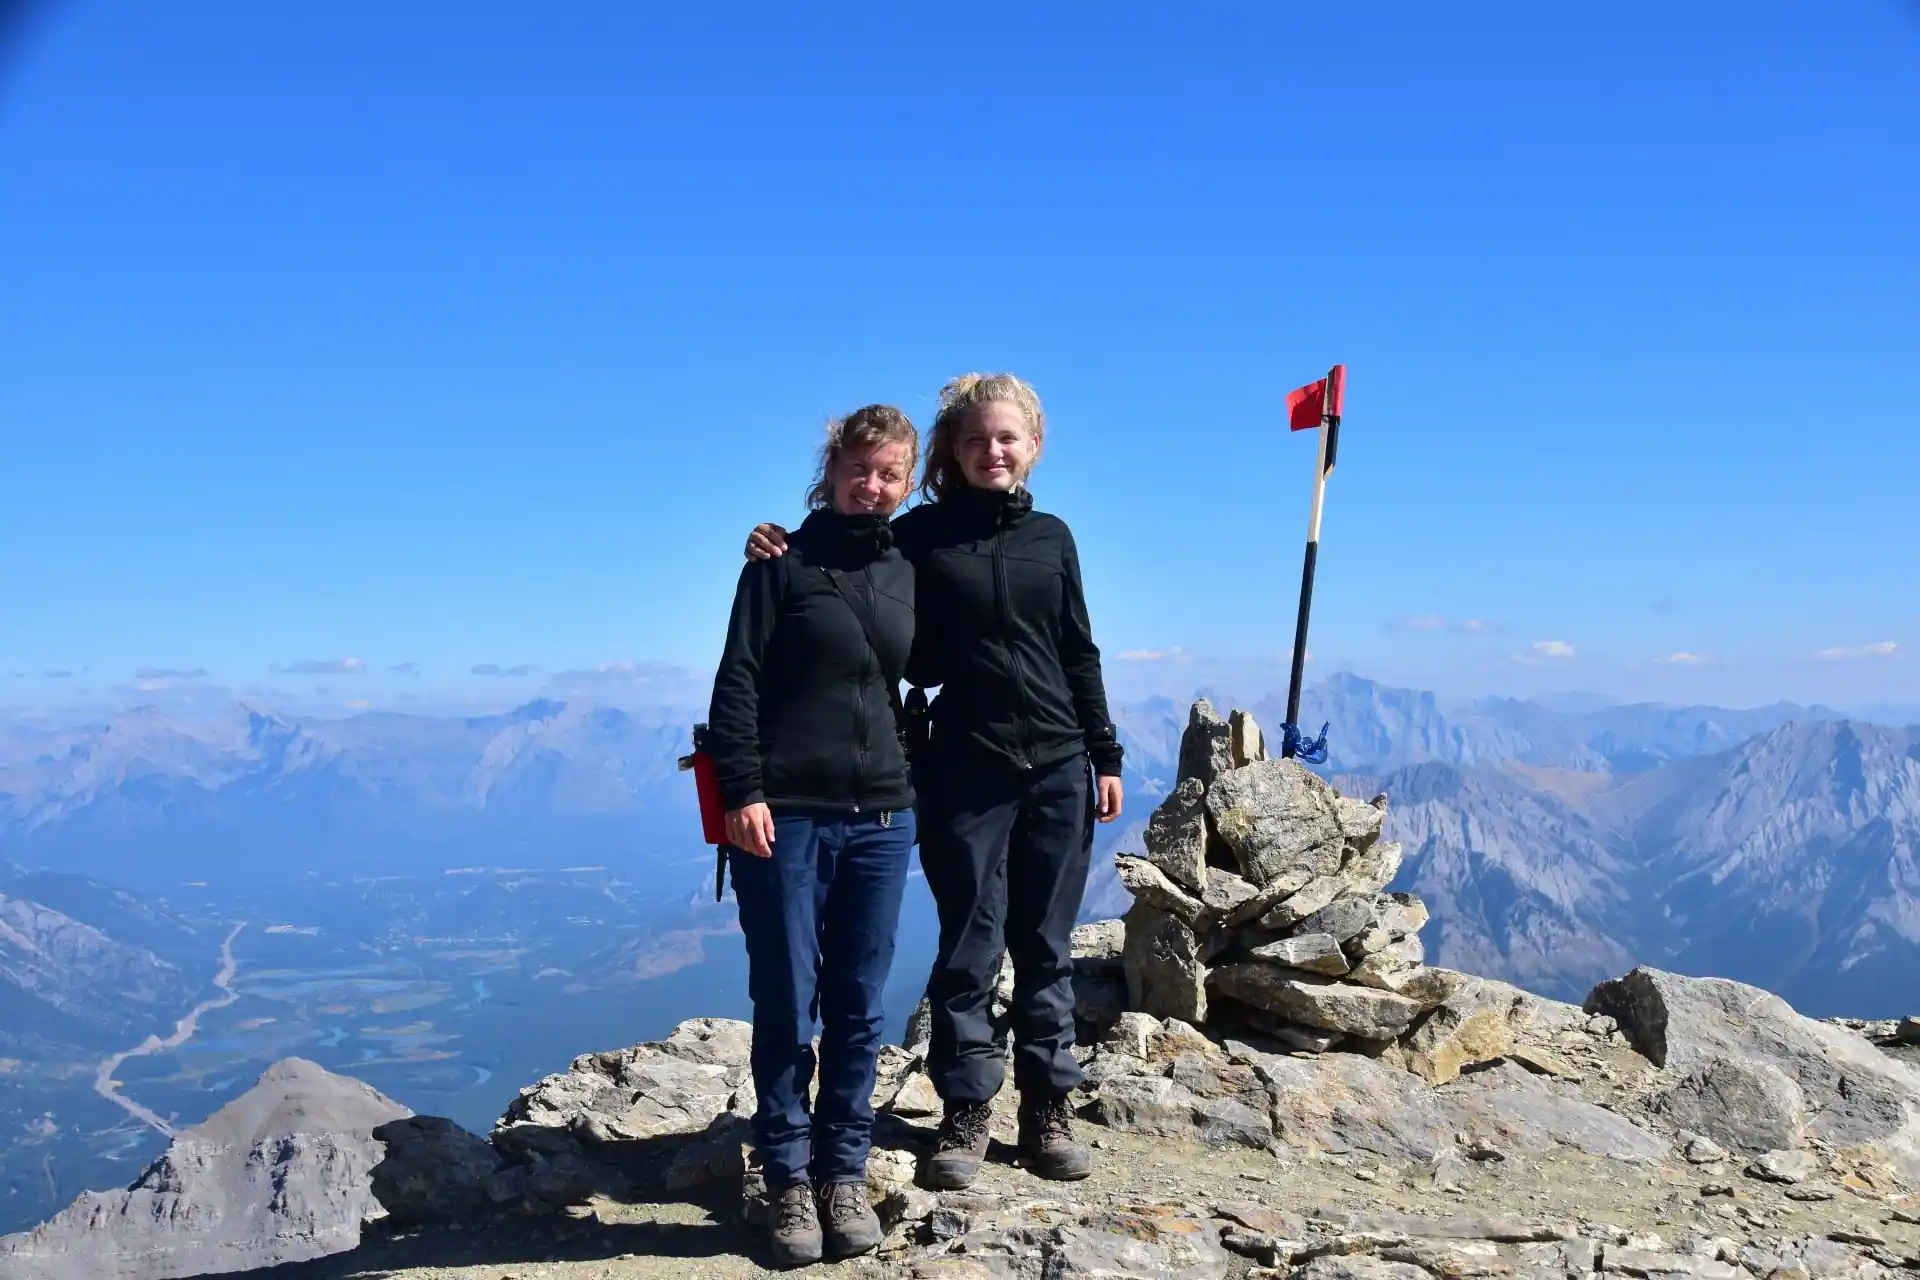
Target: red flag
[{"x": 1307, "y": 405}]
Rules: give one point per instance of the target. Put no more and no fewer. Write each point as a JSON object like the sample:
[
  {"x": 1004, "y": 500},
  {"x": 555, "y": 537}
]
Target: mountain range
[
  {"x": 1779, "y": 845},
  {"x": 549, "y": 858}
]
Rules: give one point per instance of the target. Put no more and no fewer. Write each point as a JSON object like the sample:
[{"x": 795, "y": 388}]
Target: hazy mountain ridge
[
  {"x": 1775, "y": 845},
  {"x": 145, "y": 799},
  {"x": 104, "y": 968}
]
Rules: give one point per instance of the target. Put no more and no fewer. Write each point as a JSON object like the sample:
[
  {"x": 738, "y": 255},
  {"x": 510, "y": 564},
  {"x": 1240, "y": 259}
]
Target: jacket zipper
[
  {"x": 1022, "y": 729},
  {"x": 860, "y": 702}
]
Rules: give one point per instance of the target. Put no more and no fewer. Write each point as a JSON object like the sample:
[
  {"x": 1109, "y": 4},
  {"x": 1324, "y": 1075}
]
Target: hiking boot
[
  {"x": 1046, "y": 1139},
  {"x": 795, "y": 1234},
  {"x": 959, "y": 1147},
  {"x": 852, "y": 1228}
]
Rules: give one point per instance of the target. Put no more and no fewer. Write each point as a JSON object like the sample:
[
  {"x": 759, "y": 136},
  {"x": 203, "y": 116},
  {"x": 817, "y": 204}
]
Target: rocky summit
[
  {"x": 1277, "y": 1085},
  {"x": 281, "y": 1173}
]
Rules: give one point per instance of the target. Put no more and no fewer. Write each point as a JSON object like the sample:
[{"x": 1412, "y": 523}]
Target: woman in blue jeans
[
  {"x": 1022, "y": 760},
  {"x": 820, "y": 823}
]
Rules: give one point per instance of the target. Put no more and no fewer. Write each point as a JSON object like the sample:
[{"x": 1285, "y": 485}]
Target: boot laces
[
  {"x": 963, "y": 1126},
  {"x": 1056, "y": 1119},
  {"x": 844, "y": 1201},
  {"x": 794, "y": 1209}
]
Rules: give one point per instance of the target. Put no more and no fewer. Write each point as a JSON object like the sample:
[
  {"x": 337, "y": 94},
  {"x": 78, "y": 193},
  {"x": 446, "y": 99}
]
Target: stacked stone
[{"x": 1261, "y": 903}]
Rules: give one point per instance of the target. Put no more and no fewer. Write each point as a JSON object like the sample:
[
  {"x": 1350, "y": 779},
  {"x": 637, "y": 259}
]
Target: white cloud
[
  {"x": 1440, "y": 622},
  {"x": 170, "y": 673},
  {"x": 495, "y": 669},
  {"x": 1552, "y": 649},
  {"x": 1172, "y": 654},
  {"x": 323, "y": 667},
  {"x": 1878, "y": 649},
  {"x": 1682, "y": 660}
]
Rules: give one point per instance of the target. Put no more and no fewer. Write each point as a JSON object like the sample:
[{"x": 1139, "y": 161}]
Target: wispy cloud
[
  {"x": 56, "y": 673},
  {"x": 1440, "y": 622},
  {"x": 627, "y": 682},
  {"x": 170, "y": 673},
  {"x": 1544, "y": 651},
  {"x": 1683, "y": 660},
  {"x": 1878, "y": 649},
  {"x": 1173, "y": 653},
  {"x": 404, "y": 669},
  {"x": 495, "y": 669},
  {"x": 323, "y": 667}
]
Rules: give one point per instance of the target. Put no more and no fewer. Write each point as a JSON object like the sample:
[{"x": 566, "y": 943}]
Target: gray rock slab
[
  {"x": 1278, "y": 818},
  {"x": 1165, "y": 975},
  {"x": 1342, "y": 1102},
  {"x": 1290, "y": 911},
  {"x": 1509, "y": 1108},
  {"x": 1314, "y": 952},
  {"x": 432, "y": 1171},
  {"x": 1374, "y": 870},
  {"x": 1206, "y": 748},
  {"x": 1176, "y": 836},
  {"x": 1248, "y": 743},
  {"x": 1500, "y": 1230},
  {"x": 1150, "y": 885},
  {"x": 1316, "y": 1001},
  {"x": 1748, "y": 1106},
  {"x": 1856, "y": 1097},
  {"x": 1162, "y": 1106}
]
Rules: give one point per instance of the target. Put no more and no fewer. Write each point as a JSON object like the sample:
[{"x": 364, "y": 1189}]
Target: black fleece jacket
[
  {"x": 800, "y": 714},
  {"x": 1003, "y": 630}
]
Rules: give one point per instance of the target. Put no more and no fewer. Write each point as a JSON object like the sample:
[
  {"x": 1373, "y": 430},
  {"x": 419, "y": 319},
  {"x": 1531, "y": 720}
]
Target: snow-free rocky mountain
[
  {"x": 1554, "y": 841},
  {"x": 1332, "y": 1107},
  {"x": 1777, "y": 846}
]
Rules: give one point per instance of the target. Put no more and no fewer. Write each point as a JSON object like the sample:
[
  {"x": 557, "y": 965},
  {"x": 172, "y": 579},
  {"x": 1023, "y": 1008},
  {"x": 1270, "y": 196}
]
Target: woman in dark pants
[
  {"x": 1006, "y": 800},
  {"x": 820, "y": 824}
]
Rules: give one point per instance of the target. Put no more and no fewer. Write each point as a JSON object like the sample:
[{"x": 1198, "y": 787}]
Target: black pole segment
[
  {"x": 1333, "y": 442},
  {"x": 1300, "y": 643}
]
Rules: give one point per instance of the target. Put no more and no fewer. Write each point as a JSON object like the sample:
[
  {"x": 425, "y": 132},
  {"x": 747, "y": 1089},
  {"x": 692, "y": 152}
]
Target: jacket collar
[
  {"x": 990, "y": 506},
  {"x": 862, "y": 537}
]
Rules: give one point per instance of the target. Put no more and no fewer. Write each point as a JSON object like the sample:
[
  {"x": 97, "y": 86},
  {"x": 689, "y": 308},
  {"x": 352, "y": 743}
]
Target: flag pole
[{"x": 1328, "y": 442}]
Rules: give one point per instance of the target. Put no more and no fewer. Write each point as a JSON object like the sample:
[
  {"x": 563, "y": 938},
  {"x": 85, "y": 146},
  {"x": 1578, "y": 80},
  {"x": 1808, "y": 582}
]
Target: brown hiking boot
[
  {"x": 1046, "y": 1139},
  {"x": 959, "y": 1147},
  {"x": 851, "y": 1225},
  {"x": 795, "y": 1233}
]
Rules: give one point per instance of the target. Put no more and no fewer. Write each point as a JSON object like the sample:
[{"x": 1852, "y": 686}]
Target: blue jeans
[{"x": 819, "y": 918}]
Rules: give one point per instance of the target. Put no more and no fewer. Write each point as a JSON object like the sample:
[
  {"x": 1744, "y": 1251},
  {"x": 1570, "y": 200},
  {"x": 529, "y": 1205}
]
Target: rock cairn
[{"x": 1261, "y": 905}]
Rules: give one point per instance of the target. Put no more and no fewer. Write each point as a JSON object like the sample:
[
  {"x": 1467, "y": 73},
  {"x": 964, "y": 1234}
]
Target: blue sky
[{"x": 341, "y": 338}]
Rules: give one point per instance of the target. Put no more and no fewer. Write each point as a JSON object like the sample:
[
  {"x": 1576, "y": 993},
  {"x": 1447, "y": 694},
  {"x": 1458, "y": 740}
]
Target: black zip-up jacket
[
  {"x": 800, "y": 714},
  {"x": 1003, "y": 630}
]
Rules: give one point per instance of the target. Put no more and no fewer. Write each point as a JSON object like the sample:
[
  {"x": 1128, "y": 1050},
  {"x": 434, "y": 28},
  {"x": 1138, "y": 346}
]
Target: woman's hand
[
  {"x": 750, "y": 827},
  {"x": 1109, "y": 797},
  {"x": 766, "y": 541}
]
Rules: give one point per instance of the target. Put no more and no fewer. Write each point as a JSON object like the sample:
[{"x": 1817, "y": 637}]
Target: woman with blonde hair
[
  {"x": 1022, "y": 758},
  {"x": 820, "y": 823}
]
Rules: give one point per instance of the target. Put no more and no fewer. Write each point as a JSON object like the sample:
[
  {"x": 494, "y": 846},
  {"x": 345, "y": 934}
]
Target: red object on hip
[{"x": 713, "y": 809}]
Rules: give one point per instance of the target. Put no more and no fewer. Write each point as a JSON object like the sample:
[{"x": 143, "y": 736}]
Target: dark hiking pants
[
  {"x": 819, "y": 918},
  {"x": 1006, "y": 859}
]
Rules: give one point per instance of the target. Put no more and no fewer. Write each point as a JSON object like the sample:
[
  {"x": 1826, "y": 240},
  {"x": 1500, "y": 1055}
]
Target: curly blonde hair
[
  {"x": 969, "y": 391},
  {"x": 863, "y": 429}
]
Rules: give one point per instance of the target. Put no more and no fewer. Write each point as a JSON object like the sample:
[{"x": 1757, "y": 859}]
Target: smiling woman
[{"x": 820, "y": 822}]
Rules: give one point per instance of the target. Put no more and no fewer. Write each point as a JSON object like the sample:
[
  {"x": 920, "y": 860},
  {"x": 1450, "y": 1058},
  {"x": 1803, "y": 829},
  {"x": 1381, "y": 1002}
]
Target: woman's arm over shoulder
[
  {"x": 1080, "y": 659},
  {"x": 913, "y": 530},
  {"x": 733, "y": 717}
]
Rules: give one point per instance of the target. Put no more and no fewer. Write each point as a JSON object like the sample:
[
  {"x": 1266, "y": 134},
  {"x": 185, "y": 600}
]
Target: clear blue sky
[{"x": 437, "y": 334}]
